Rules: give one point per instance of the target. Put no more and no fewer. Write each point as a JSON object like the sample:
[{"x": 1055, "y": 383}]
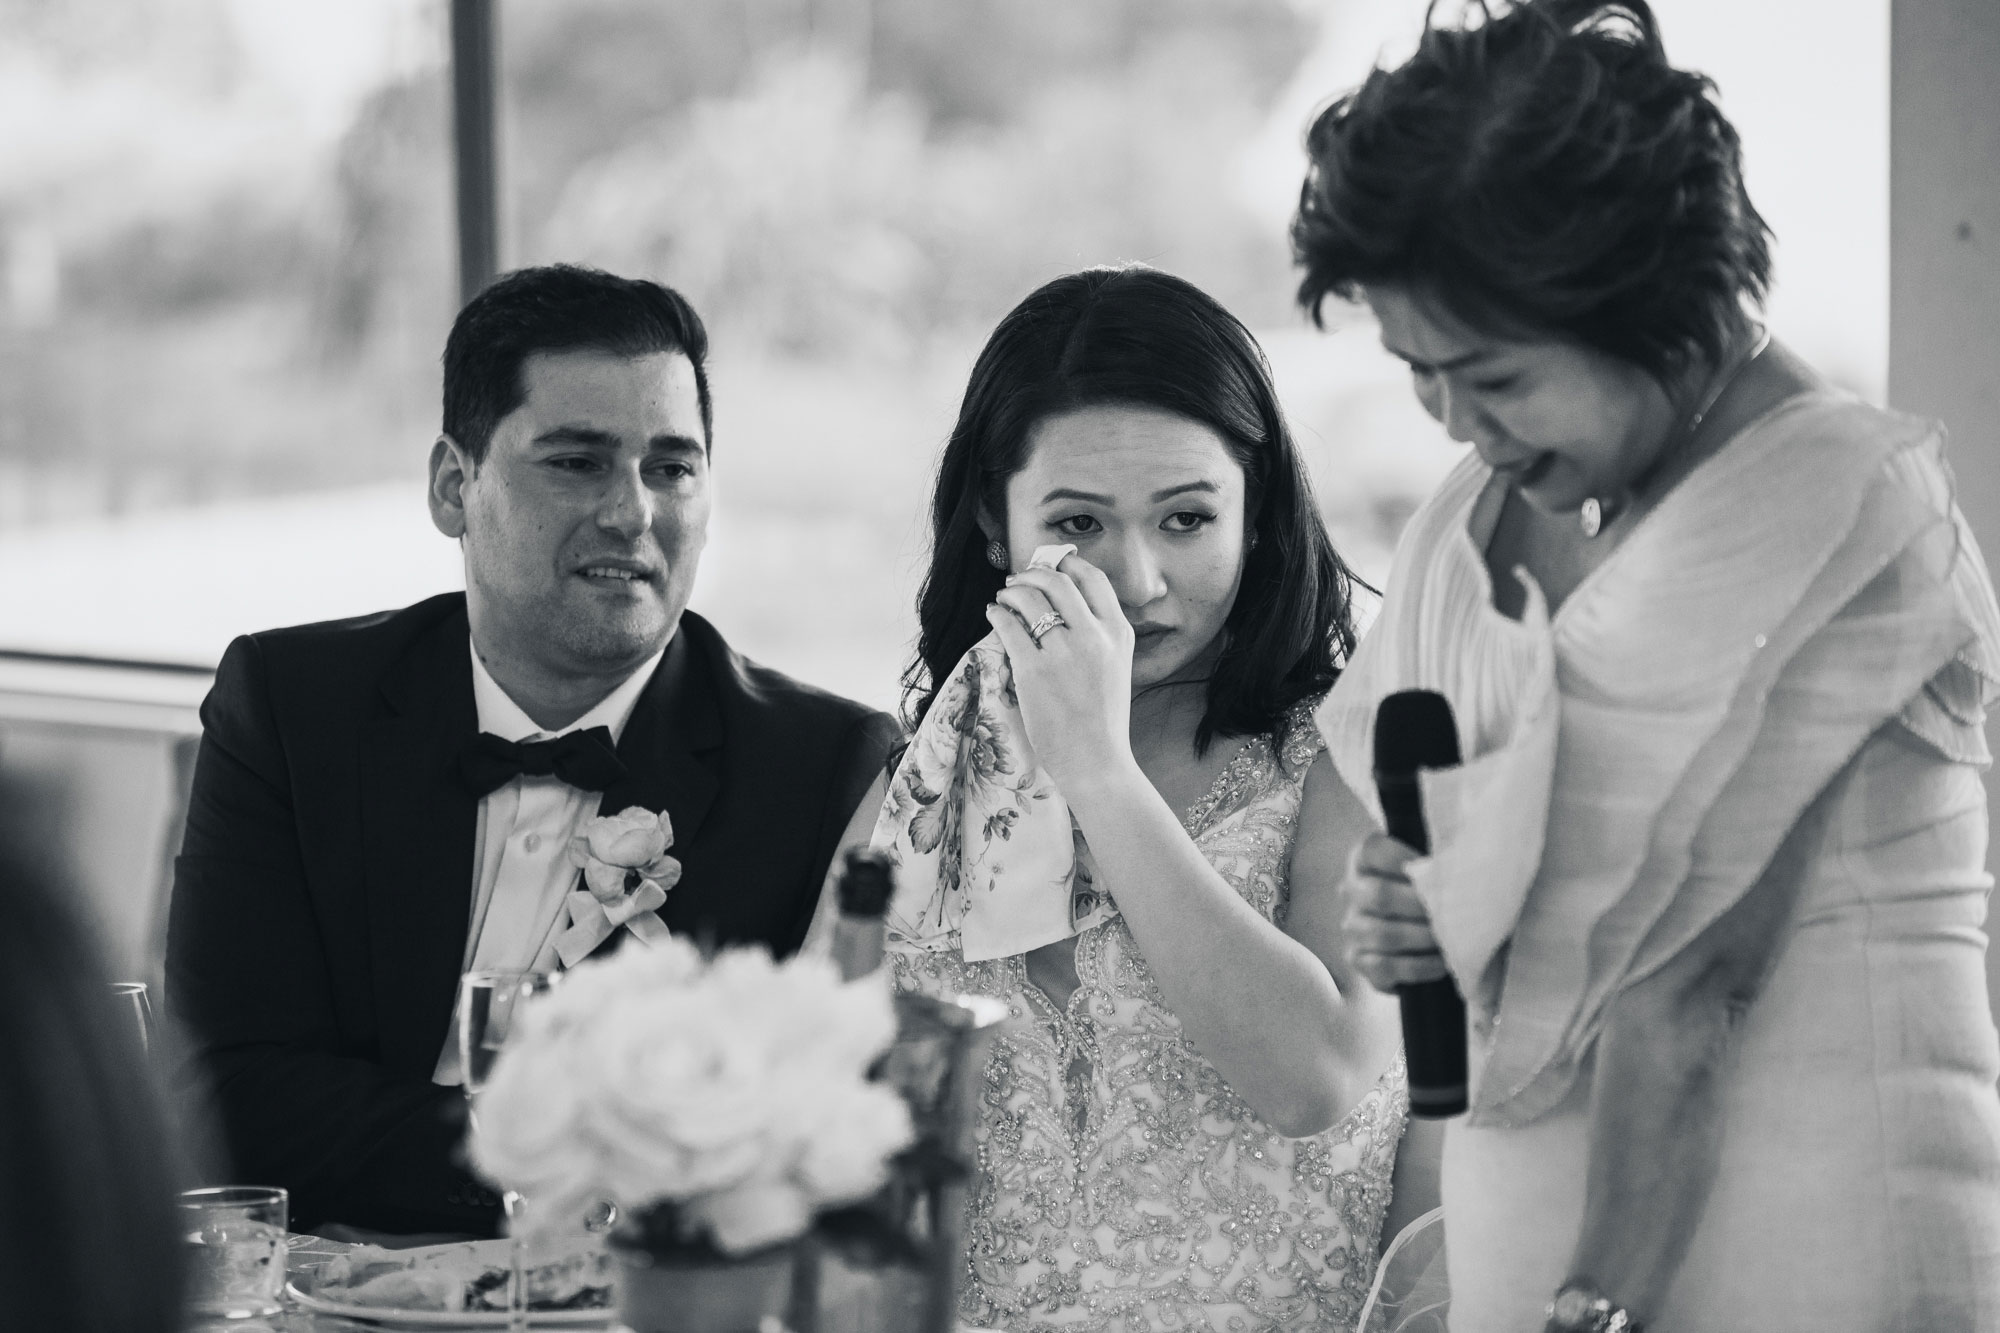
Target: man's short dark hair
[
  {"x": 557, "y": 308},
  {"x": 1540, "y": 167}
]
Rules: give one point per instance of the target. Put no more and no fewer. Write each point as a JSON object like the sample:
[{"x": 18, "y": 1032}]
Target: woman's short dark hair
[
  {"x": 1543, "y": 169},
  {"x": 88, "y": 1159},
  {"x": 557, "y": 308},
  {"x": 1140, "y": 337}
]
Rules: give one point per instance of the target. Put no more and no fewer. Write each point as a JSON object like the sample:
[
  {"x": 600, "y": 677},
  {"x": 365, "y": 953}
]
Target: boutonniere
[{"x": 625, "y": 879}]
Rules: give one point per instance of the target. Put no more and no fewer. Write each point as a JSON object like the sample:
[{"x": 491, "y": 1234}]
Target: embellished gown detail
[{"x": 1122, "y": 1184}]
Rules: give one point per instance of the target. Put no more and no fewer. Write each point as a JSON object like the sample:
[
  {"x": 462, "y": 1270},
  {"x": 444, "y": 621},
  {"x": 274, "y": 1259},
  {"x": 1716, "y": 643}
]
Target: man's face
[{"x": 583, "y": 524}]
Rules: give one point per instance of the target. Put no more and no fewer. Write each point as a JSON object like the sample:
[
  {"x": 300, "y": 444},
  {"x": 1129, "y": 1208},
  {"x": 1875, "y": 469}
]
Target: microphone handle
[
  {"x": 1434, "y": 1047},
  {"x": 1433, "y": 1011}
]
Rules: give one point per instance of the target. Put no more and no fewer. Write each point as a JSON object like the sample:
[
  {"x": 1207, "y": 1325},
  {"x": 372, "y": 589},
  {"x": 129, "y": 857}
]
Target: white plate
[
  {"x": 382, "y": 1314},
  {"x": 306, "y": 1290}
]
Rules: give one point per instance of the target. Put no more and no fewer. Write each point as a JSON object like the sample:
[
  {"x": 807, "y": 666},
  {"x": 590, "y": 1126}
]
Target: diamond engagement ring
[{"x": 1053, "y": 620}]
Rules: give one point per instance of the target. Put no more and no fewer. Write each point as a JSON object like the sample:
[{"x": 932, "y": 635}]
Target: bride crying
[{"x": 1116, "y": 815}]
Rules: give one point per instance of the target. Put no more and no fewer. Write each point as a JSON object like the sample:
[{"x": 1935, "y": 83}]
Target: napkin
[{"x": 989, "y": 857}]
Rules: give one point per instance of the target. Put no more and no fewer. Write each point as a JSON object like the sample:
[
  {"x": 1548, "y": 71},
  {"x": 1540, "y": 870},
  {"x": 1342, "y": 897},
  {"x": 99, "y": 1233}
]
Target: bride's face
[
  {"x": 1154, "y": 500},
  {"x": 1561, "y": 421}
]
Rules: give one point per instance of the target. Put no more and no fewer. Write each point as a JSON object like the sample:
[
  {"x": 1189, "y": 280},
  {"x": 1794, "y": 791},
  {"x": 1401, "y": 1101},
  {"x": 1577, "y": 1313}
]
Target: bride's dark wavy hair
[
  {"x": 1135, "y": 335},
  {"x": 1540, "y": 166}
]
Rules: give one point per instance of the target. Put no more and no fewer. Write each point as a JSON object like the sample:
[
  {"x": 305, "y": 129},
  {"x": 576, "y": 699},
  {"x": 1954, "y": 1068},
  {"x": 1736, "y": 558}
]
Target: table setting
[{"x": 686, "y": 1141}]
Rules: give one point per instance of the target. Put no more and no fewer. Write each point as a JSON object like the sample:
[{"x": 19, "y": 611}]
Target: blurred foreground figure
[
  {"x": 384, "y": 803},
  {"x": 88, "y": 1164},
  {"x": 1720, "y": 646}
]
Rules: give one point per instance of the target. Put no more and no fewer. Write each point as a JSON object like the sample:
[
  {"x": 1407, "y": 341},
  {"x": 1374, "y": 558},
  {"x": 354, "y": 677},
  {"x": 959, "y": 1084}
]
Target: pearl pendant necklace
[{"x": 1590, "y": 518}]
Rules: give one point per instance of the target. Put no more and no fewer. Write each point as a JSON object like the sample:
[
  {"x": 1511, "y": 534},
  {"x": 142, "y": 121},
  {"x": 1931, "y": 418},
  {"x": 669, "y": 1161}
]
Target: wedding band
[{"x": 1053, "y": 620}]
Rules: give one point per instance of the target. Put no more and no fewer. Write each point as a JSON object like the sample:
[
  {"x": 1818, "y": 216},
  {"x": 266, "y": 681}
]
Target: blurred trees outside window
[{"x": 227, "y": 271}]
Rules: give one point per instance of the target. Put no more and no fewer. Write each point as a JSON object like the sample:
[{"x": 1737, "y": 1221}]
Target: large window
[{"x": 228, "y": 267}]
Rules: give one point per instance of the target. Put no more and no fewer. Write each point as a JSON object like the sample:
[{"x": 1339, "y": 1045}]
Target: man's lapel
[
  {"x": 418, "y": 823},
  {"x": 671, "y": 746}
]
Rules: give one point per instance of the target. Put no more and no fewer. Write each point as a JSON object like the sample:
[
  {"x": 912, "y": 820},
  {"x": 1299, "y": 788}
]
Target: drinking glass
[
  {"x": 234, "y": 1237},
  {"x": 134, "y": 1010},
  {"x": 487, "y": 1002}
]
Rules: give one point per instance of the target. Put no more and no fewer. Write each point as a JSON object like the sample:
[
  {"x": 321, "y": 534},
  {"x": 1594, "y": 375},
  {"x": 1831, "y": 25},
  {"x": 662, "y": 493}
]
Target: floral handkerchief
[{"x": 988, "y": 856}]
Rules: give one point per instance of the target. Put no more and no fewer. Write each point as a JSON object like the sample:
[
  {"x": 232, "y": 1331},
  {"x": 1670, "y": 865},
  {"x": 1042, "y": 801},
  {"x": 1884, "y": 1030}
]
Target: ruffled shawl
[{"x": 1670, "y": 725}]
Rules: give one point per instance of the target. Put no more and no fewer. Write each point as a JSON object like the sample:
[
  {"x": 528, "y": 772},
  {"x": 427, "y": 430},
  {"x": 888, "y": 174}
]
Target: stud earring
[{"x": 996, "y": 554}]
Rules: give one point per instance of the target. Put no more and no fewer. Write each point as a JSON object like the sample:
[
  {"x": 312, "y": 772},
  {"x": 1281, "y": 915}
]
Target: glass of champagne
[{"x": 487, "y": 1003}]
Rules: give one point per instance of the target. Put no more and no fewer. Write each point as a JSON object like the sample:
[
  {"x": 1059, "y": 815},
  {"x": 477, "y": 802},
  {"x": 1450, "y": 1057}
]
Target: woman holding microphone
[{"x": 1719, "y": 645}]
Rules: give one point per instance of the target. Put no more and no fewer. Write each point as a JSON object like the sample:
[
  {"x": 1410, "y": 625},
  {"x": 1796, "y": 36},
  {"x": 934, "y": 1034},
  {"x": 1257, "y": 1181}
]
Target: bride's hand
[
  {"x": 1385, "y": 931},
  {"x": 1075, "y": 686}
]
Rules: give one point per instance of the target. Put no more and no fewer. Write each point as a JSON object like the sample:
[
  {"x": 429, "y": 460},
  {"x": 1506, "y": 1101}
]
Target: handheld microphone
[{"x": 1414, "y": 729}]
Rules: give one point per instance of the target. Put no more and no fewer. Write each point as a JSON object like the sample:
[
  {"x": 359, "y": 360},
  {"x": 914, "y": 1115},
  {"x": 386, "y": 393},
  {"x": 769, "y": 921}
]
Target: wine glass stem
[{"x": 517, "y": 1246}]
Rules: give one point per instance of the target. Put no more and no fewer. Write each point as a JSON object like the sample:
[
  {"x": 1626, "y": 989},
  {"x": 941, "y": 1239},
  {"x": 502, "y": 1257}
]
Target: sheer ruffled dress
[
  {"x": 1122, "y": 1185},
  {"x": 1786, "y": 665}
]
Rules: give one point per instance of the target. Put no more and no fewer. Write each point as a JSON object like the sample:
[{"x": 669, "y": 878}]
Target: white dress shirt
[{"x": 522, "y": 843}]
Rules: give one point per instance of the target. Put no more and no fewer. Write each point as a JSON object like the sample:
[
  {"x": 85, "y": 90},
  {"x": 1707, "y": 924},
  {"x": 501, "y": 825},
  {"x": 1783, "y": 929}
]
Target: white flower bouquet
[{"x": 725, "y": 1100}]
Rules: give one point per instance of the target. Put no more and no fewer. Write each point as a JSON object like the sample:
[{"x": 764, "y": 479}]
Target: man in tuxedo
[{"x": 384, "y": 803}]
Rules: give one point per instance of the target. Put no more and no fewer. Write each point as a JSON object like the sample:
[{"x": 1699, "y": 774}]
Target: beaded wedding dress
[{"x": 1122, "y": 1185}]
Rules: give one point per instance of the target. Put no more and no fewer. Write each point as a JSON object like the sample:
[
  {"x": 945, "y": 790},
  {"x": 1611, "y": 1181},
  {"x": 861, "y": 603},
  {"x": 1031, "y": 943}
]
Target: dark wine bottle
[{"x": 867, "y": 882}]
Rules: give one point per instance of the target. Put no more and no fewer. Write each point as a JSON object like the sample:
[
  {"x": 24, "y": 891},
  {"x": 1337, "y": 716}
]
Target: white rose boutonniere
[{"x": 626, "y": 875}]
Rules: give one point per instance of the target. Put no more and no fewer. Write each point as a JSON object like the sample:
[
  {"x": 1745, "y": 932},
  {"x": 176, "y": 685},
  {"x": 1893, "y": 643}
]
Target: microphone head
[{"x": 1414, "y": 729}]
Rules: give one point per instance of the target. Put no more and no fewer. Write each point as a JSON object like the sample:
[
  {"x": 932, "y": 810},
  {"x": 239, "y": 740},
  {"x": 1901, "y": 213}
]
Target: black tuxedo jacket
[{"x": 322, "y": 898}]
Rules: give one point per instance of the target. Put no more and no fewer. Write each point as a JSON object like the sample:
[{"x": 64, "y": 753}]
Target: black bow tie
[{"x": 584, "y": 759}]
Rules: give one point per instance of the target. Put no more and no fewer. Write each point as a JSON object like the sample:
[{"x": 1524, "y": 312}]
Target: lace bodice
[{"x": 1122, "y": 1185}]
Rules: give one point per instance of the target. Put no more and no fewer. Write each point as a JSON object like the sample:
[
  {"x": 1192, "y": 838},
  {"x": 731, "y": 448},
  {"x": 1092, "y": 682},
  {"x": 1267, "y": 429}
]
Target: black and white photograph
[{"x": 999, "y": 666}]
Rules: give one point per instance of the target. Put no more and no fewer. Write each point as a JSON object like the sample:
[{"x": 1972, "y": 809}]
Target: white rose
[
  {"x": 671, "y": 964},
  {"x": 752, "y": 1216},
  {"x": 632, "y": 838},
  {"x": 854, "y": 1023},
  {"x": 699, "y": 1076},
  {"x": 528, "y": 1133},
  {"x": 682, "y": 1106},
  {"x": 736, "y": 1087},
  {"x": 606, "y": 881},
  {"x": 859, "y": 1128}
]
